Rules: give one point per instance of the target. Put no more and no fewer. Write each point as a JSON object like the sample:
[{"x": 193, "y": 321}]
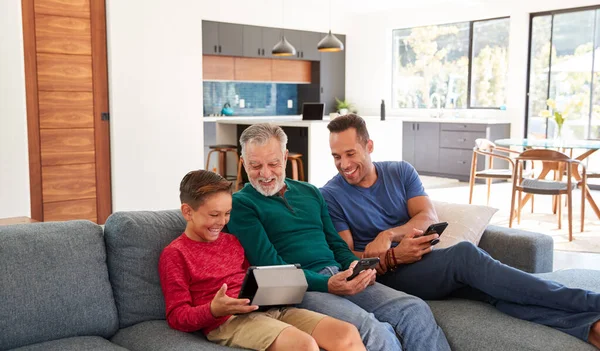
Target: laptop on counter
[{"x": 312, "y": 111}]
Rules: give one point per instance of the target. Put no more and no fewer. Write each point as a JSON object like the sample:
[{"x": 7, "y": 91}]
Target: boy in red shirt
[{"x": 201, "y": 274}]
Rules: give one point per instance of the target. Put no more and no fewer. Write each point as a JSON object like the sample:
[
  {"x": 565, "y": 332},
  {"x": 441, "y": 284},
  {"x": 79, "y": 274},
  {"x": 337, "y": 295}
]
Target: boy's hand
[
  {"x": 338, "y": 284},
  {"x": 223, "y": 305}
]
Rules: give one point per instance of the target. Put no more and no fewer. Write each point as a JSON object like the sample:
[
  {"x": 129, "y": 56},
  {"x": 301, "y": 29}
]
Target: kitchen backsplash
[{"x": 251, "y": 99}]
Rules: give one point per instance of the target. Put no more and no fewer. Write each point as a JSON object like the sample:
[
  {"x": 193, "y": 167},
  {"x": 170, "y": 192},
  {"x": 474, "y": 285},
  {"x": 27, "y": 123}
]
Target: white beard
[{"x": 279, "y": 183}]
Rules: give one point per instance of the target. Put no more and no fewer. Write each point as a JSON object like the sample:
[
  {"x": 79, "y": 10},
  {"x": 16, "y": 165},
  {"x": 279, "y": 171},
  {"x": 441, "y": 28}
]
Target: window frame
[
  {"x": 529, "y": 44},
  {"x": 469, "y": 66}
]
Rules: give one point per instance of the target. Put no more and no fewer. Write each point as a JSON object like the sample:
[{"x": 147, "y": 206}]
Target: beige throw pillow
[{"x": 465, "y": 222}]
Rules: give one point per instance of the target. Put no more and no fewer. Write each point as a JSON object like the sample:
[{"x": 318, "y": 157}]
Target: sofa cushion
[
  {"x": 53, "y": 283},
  {"x": 157, "y": 336},
  {"x": 134, "y": 242},
  {"x": 473, "y": 325},
  {"x": 74, "y": 344},
  {"x": 465, "y": 222}
]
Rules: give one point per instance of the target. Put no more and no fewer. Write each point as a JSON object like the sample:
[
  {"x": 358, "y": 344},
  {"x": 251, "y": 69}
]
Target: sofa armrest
[{"x": 528, "y": 251}]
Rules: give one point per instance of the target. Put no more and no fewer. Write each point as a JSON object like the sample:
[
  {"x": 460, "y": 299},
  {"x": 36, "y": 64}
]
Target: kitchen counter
[{"x": 314, "y": 138}]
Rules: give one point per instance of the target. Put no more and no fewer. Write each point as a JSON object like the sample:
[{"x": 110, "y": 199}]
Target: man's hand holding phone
[
  {"x": 339, "y": 284},
  {"x": 413, "y": 247}
]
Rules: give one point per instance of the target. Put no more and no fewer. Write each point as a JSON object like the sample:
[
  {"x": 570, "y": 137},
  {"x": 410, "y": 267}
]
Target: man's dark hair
[
  {"x": 198, "y": 185},
  {"x": 348, "y": 121}
]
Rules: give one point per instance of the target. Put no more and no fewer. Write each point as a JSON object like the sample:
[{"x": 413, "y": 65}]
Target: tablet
[{"x": 274, "y": 285}]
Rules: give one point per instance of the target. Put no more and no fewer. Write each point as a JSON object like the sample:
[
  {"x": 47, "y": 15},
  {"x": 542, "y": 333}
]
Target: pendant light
[
  {"x": 330, "y": 43},
  {"x": 283, "y": 47}
]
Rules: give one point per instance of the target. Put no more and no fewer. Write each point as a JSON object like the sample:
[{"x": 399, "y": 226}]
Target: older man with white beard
[{"x": 282, "y": 221}]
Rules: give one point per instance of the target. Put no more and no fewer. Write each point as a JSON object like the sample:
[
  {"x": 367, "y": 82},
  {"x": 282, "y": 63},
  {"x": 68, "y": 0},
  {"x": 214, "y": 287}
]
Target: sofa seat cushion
[
  {"x": 134, "y": 242},
  {"x": 54, "y": 283},
  {"x": 158, "y": 336},
  {"x": 473, "y": 325},
  {"x": 74, "y": 344}
]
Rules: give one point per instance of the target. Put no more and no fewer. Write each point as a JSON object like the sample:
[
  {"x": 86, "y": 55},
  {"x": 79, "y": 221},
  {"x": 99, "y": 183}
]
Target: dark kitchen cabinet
[
  {"x": 305, "y": 44},
  {"x": 259, "y": 41},
  {"x": 310, "y": 41},
  {"x": 333, "y": 76},
  {"x": 420, "y": 145},
  {"x": 446, "y": 149},
  {"x": 222, "y": 38}
]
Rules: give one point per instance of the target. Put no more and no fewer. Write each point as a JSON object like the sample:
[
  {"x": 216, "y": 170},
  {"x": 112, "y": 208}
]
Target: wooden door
[{"x": 67, "y": 105}]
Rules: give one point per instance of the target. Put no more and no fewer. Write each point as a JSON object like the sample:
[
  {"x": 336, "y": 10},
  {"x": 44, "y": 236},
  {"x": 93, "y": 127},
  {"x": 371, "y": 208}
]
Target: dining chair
[
  {"x": 488, "y": 149},
  {"x": 558, "y": 188}
]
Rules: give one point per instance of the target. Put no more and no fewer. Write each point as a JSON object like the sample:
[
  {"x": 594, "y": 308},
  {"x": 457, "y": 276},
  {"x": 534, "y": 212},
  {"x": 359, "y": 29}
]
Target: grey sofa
[{"x": 76, "y": 286}]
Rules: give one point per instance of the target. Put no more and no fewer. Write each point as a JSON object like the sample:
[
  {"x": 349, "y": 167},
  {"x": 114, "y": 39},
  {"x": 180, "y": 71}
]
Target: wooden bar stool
[
  {"x": 222, "y": 151},
  {"x": 297, "y": 167}
]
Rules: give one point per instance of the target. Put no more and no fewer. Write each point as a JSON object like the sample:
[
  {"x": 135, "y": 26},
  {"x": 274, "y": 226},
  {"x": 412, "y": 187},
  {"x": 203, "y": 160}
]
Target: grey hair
[{"x": 260, "y": 134}]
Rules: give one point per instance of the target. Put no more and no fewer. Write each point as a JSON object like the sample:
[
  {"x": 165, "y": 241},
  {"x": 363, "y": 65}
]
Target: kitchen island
[{"x": 311, "y": 139}]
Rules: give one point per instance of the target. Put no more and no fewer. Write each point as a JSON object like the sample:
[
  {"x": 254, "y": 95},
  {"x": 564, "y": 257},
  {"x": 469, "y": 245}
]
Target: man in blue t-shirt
[{"x": 381, "y": 209}]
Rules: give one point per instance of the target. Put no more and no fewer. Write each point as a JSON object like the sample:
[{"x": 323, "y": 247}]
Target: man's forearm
[
  {"x": 419, "y": 221},
  {"x": 358, "y": 254}
]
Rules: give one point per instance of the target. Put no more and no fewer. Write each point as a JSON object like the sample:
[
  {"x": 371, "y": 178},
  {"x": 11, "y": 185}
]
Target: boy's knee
[
  {"x": 306, "y": 343},
  {"x": 349, "y": 337}
]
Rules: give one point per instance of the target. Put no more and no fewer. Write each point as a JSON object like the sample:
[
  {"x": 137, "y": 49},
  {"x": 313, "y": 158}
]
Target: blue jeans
[
  {"x": 386, "y": 319},
  {"x": 465, "y": 271}
]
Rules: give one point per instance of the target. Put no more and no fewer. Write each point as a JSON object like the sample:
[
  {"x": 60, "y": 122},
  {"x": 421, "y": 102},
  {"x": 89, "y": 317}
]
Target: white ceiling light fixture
[
  {"x": 330, "y": 43},
  {"x": 283, "y": 47}
]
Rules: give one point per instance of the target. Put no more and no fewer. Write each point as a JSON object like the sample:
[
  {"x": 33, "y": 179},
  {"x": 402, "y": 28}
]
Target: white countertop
[{"x": 296, "y": 120}]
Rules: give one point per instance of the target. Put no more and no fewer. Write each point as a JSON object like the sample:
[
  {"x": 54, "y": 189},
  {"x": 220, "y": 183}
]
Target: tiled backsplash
[{"x": 251, "y": 99}]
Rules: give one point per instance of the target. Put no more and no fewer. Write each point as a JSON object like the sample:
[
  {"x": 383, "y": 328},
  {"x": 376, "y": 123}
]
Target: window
[
  {"x": 489, "y": 70},
  {"x": 564, "y": 66},
  {"x": 431, "y": 65}
]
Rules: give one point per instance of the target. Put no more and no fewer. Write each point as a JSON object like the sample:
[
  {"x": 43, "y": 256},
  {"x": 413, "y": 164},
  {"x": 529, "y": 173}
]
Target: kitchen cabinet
[
  {"x": 222, "y": 38},
  {"x": 332, "y": 76},
  {"x": 446, "y": 149},
  {"x": 259, "y": 41},
  {"x": 305, "y": 43},
  {"x": 420, "y": 145}
]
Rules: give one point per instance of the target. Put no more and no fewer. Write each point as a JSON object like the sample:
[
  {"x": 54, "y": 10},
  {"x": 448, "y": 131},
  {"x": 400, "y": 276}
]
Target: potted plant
[
  {"x": 558, "y": 116},
  {"x": 343, "y": 106}
]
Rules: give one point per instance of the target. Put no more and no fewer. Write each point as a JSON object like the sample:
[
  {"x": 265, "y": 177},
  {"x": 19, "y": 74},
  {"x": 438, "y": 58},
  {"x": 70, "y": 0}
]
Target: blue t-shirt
[{"x": 368, "y": 211}]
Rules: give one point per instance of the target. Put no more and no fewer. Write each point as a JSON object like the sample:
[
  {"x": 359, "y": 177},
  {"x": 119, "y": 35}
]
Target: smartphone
[
  {"x": 436, "y": 228},
  {"x": 365, "y": 263}
]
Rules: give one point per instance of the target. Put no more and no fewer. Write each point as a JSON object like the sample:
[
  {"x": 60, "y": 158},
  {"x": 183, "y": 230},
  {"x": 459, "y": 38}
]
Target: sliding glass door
[
  {"x": 564, "y": 47},
  {"x": 564, "y": 65}
]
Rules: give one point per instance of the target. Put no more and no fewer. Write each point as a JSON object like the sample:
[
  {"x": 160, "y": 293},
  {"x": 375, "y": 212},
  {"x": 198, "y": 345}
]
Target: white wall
[
  {"x": 155, "y": 83},
  {"x": 370, "y": 45},
  {"x": 14, "y": 159}
]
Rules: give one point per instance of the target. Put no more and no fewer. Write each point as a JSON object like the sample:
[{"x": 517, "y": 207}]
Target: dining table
[{"x": 588, "y": 147}]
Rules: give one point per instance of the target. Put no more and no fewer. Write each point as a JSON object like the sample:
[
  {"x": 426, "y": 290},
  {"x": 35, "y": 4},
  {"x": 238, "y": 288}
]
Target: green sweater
[{"x": 296, "y": 228}]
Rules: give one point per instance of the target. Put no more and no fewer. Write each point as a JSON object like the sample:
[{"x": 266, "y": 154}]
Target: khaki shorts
[{"x": 258, "y": 330}]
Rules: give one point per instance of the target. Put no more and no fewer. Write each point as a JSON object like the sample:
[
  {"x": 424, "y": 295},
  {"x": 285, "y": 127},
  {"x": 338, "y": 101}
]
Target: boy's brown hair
[
  {"x": 348, "y": 121},
  {"x": 198, "y": 185}
]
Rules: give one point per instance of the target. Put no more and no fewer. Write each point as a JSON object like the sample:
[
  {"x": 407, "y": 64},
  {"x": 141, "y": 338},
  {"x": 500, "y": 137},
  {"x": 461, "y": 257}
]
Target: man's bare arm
[
  {"x": 422, "y": 214},
  {"x": 347, "y": 236}
]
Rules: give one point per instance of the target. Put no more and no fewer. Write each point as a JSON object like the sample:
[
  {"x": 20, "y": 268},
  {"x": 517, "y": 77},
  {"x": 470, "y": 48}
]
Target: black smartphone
[
  {"x": 365, "y": 263},
  {"x": 436, "y": 228}
]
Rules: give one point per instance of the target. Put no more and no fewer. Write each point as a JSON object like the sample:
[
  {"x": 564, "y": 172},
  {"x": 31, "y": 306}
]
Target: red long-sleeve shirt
[{"x": 191, "y": 273}]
